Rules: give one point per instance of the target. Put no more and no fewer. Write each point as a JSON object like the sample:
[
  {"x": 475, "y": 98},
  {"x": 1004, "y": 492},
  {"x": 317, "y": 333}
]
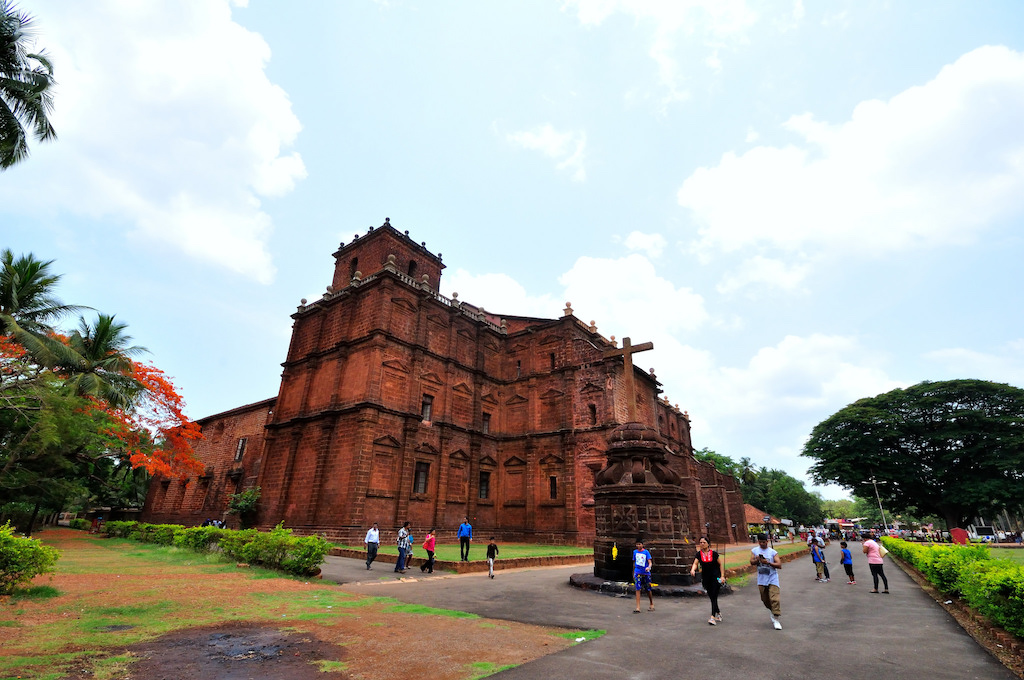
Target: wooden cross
[{"x": 627, "y": 352}]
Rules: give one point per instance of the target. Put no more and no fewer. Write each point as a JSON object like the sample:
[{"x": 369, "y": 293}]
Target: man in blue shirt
[
  {"x": 642, "y": 575},
  {"x": 465, "y": 537}
]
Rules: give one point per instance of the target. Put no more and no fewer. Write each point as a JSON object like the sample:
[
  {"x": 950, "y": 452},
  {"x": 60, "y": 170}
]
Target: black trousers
[
  {"x": 876, "y": 571},
  {"x": 371, "y": 553},
  {"x": 849, "y": 571},
  {"x": 428, "y": 566},
  {"x": 712, "y": 588},
  {"x": 464, "y": 548}
]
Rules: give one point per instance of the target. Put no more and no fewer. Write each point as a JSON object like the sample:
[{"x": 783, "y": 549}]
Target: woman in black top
[{"x": 711, "y": 575}]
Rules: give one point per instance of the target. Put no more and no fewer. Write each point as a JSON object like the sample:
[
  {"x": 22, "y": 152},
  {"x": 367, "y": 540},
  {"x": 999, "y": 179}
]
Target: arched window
[
  {"x": 353, "y": 267},
  {"x": 593, "y": 414},
  {"x": 412, "y": 268}
]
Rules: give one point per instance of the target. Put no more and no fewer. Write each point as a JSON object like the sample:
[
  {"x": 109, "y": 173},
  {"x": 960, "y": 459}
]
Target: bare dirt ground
[{"x": 218, "y": 622}]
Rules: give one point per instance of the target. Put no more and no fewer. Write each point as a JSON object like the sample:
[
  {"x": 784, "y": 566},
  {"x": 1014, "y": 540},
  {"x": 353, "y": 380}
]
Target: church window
[
  {"x": 412, "y": 268},
  {"x": 353, "y": 267},
  {"x": 552, "y": 357},
  {"x": 240, "y": 448},
  {"x": 419, "y": 484},
  {"x": 486, "y": 424},
  {"x": 593, "y": 414},
  {"x": 427, "y": 407},
  {"x": 519, "y": 368},
  {"x": 485, "y": 485},
  {"x": 553, "y": 487}
]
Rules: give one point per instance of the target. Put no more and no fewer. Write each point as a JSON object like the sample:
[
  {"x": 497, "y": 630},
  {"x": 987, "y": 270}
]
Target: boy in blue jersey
[
  {"x": 642, "y": 575},
  {"x": 847, "y": 562}
]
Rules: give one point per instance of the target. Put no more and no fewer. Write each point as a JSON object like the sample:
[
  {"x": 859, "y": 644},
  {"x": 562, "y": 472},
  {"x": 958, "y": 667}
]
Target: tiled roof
[{"x": 755, "y": 516}]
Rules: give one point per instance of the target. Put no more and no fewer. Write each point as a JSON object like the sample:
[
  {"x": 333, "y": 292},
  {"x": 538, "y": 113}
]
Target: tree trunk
[{"x": 32, "y": 520}]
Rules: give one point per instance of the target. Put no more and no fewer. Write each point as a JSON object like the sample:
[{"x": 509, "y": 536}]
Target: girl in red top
[
  {"x": 428, "y": 545},
  {"x": 711, "y": 575}
]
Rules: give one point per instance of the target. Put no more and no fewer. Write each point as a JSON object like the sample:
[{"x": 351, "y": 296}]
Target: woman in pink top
[
  {"x": 875, "y": 563},
  {"x": 428, "y": 545}
]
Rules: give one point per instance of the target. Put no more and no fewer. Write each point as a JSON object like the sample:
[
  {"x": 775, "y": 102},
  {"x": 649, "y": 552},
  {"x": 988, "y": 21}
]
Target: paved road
[{"x": 830, "y": 630}]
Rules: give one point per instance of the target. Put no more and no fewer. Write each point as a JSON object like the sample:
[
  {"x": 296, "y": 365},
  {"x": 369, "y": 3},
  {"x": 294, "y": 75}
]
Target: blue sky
[{"x": 800, "y": 204}]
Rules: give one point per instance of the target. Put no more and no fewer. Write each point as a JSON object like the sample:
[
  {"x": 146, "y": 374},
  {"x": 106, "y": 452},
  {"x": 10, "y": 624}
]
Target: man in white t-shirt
[
  {"x": 372, "y": 542},
  {"x": 768, "y": 563}
]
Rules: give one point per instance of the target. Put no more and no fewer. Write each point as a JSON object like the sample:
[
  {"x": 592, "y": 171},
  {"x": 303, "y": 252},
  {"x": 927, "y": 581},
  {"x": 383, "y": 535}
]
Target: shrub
[
  {"x": 22, "y": 559},
  {"x": 79, "y": 523},
  {"x": 277, "y": 549},
  {"x": 233, "y": 543},
  {"x": 119, "y": 529},
  {"x": 201, "y": 539},
  {"x": 306, "y": 554}
]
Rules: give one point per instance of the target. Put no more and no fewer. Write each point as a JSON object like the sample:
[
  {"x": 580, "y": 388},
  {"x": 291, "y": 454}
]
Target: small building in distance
[{"x": 397, "y": 403}]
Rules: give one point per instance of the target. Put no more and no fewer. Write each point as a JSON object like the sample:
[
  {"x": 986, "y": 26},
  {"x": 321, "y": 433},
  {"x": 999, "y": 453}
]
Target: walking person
[
  {"x": 428, "y": 545},
  {"x": 465, "y": 538},
  {"x": 768, "y": 564},
  {"x": 492, "y": 554},
  {"x": 372, "y": 543},
  {"x": 642, "y": 564},
  {"x": 403, "y": 548},
  {"x": 819, "y": 563},
  {"x": 711, "y": 575},
  {"x": 846, "y": 559},
  {"x": 871, "y": 548}
]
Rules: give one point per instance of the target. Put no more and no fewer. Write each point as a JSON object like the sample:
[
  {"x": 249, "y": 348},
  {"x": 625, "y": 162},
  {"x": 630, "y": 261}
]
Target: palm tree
[
  {"x": 27, "y": 301},
  {"x": 98, "y": 362},
  {"x": 26, "y": 81}
]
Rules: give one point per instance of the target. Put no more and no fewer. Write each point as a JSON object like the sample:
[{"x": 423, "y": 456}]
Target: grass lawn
[
  {"x": 1014, "y": 554},
  {"x": 478, "y": 550},
  {"x": 108, "y": 594}
]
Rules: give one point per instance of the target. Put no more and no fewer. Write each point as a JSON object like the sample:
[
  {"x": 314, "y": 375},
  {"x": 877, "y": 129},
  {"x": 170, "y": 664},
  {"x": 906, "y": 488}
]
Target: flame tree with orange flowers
[{"x": 80, "y": 415}]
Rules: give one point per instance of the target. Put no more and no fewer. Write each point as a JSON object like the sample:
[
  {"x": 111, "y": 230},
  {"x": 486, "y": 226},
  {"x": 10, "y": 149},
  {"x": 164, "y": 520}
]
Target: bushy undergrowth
[
  {"x": 993, "y": 587},
  {"x": 22, "y": 559},
  {"x": 79, "y": 523},
  {"x": 276, "y": 549}
]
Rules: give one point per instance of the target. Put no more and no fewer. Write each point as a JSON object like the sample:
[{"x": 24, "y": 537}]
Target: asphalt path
[{"x": 829, "y": 629}]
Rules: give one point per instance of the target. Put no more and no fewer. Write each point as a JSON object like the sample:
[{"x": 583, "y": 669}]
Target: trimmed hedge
[
  {"x": 22, "y": 559},
  {"x": 276, "y": 549},
  {"x": 79, "y": 523},
  {"x": 993, "y": 587}
]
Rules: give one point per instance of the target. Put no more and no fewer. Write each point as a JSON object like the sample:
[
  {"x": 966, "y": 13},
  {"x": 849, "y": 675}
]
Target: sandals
[
  {"x": 636, "y": 611},
  {"x": 651, "y": 608}
]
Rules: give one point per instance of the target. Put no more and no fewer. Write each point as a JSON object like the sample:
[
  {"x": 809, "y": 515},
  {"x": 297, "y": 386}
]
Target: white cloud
[
  {"x": 752, "y": 135},
  {"x": 934, "y": 165},
  {"x": 566, "y": 148},
  {"x": 1005, "y": 364},
  {"x": 764, "y": 271},
  {"x": 652, "y": 245},
  {"x": 715, "y": 22},
  {"x": 167, "y": 124},
  {"x": 500, "y": 294}
]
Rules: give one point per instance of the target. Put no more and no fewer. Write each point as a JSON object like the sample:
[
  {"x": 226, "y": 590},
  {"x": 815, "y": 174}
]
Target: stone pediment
[
  {"x": 489, "y": 398},
  {"x": 465, "y": 334},
  {"x": 487, "y": 460},
  {"x": 395, "y": 365},
  {"x": 405, "y": 304},
  {"x": 515, "y": 461},
  {"x": 431, "y": 377},
  {"x": 491, "y": 345},
  {"x": 552, "y": 394},
  {"x": 520, "y": 347},
  {"x": 551, "y": 340},
  {"x": 463, "y": 388},
  {"x": 516, "y": 399},
  {"x": 458, "y": 455},
  {"x": 591, "y": 388},
  {"x": 439, "y": 320},
  {"x": 387, "y": 440},
  {"x": 552, "y": 459},
  {"x": 427, "y": 448}
]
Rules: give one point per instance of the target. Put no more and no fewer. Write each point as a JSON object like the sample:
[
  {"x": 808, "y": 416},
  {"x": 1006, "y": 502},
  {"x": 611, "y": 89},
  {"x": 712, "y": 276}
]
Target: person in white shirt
[
  {"x": 372, "y": 542},
  {"x": 768, "y": 563}
]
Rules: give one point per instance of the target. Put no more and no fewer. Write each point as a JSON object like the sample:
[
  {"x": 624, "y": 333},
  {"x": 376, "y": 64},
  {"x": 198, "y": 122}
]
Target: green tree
[
  {"x": 26, "y": 83},
  {"x": 724, "y": 464},
  {"x": 837, "y": 509},
  {"x": 954, "y": 449},
  {"x": 27, "y": 299}
]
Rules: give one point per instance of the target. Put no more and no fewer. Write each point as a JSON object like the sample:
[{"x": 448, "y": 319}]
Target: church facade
[{"x": 397, "y": 403}]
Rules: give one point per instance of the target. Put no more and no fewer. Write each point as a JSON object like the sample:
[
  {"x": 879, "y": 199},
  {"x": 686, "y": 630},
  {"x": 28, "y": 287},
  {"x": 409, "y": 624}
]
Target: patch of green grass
[
  {"x": 430, "y": 611},
  {"x": 1012, "y": 554},
  {"x": 486, "y": 624},
  {"x": 29, "y": 666},
  {"x": 332, "y": 666},
  {"x": 481, "y": 669},
  {"x": 34, "y": 593},
  {"x": 587, "y": 635},
  {"x": 740, "y": 581},
  {"x": 9, "y": 624},
  {"x": 112, "y": 667}
]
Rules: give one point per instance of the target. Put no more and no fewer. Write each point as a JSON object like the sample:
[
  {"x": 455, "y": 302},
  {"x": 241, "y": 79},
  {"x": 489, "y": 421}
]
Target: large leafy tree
[
  {"x": 26, "y": 87},
  {"x": 954, "y": 449},
  {"x": 27, "y": 298}
]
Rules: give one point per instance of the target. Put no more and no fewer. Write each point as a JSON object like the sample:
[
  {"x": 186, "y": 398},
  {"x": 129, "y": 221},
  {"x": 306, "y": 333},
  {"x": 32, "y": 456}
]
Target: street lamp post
[{"x": 875, "y": 484}]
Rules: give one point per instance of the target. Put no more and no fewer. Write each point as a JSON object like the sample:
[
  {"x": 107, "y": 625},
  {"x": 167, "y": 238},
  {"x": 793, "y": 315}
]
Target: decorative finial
[
  {"x": 568, "y": 309},
  {"x": 615, "y": 343},
  {"x": 330, "y": 289},
  {"x": 455, "y": 296},
  {"x": 357, "y": 276},
  {"x": 593, "y": 326},
  {"x": 652, "y": 371},
  {"x": 391, "y": 260},
  {"x": 425, "y": 279},
  {"x": 302, "y": 301},
  {"x": 423, "y": 243},
  {"x": 407, "y": 232}
]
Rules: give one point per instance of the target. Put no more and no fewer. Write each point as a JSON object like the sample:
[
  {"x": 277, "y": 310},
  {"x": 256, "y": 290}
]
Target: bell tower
[{"x": 366, "y": 255}]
